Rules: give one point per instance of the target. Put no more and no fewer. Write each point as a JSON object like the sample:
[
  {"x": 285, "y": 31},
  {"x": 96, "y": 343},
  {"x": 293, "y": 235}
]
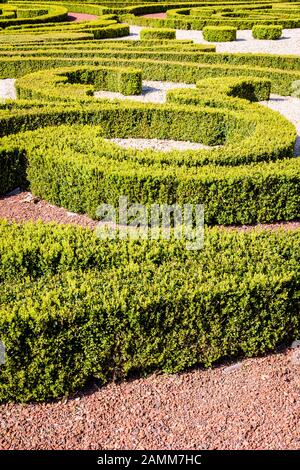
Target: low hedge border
[
  {"x": 55, "y": 13},
  {"x": 80, "y": 308},
  {"x": 245, "y": 194},
  {"x": 78, "y": 181},
  {"x": 237, "y": 15},
  {"x": 219, "y": 33},
  {"x": 269, "y": 32},
  {"x": 161, "y": 33},
  {"x": 79, "y": 83},
  {"x": 158, "y": 69},
  {"x": 270, "y": 61},
  {"x": 30, "y": 12}
]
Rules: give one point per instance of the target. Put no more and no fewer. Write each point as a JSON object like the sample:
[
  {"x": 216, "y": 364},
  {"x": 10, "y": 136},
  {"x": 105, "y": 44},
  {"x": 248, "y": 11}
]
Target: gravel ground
[
  {"x": 290, "y": 108},
  {"x": 152, "y": 92},
  {"x": 289, "y": 43},
  {"x": 161, "y": 145},
  {"x": 7, "y": 89},
  {"x": 253, "y": 404}
]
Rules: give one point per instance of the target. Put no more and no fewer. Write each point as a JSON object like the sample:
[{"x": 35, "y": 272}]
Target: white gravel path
[
  {"x": 7, "y": 89},
  {"x": 155, "y": 92},
  {"x": 289, "y": 107},
  {"x": 160, "y": 145},
  {"x": 288, "y": 44},
  {"x": 152, "y": 92}
]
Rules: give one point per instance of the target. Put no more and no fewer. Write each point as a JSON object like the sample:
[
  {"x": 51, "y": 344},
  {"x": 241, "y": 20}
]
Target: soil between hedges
[{"x": 253, "y": 404}]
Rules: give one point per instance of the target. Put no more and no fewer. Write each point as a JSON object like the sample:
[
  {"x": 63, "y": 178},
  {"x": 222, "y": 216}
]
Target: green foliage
[
  {"x": 82, "y": 308},
  {"x": 82, "y": 176},
  {"x": 196, "y": 16},
  {"x": 219, "y": 33},
  {"x": 161, "y": 33},
  {"x": 73, "y": 307},
  {"x": 75, "y": 168},
  {"x": 35, "y": 16},
  {"x": 78, "y": 83},
  {"x": 267, "y": 32},
  {"x": 177, "y": 65}
]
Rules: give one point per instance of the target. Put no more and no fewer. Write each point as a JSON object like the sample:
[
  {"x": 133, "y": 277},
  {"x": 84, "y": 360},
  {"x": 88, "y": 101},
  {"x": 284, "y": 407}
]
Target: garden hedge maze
[{"x": 75, "y": 308}]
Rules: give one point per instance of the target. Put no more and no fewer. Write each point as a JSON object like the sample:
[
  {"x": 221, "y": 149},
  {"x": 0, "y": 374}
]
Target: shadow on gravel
[{"x": 226, "y": 366}]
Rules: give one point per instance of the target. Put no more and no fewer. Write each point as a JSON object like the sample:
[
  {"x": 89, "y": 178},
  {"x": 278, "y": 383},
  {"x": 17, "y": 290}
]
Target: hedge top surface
[
  {"x": 219, "y": 33},
  {"x": 242, "y": 16}
]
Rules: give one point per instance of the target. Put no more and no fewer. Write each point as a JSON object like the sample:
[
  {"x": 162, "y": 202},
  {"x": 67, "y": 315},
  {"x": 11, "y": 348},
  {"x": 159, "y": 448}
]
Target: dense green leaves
[
  {"x": 78, "y": 83},
  {"x": 196, "y": 15},
  {"x": 82, "y": 308},
  {"x": 267, "y": 32},
  {"x": 74, "y": 307},
  {"x": 158, "y": 33},
  {"x": 219, "y": 33},
  {"x": 75, "y": 167}
]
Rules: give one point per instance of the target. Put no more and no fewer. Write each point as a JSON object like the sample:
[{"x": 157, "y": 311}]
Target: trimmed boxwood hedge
[
  {"x": 95, "y": 171},
  {"x": 267, "y": 32},
  {"x": 73, "y": 307},
  {"x": 244, "y": 194},
  {"x": 79, "y": 83},
  {"x": 152, "y": 33},
  {"x": 76, "y": 308},
  {"x": 219, "y": 33},
  {"x": 178, "y": 66},
  {"x": 54, "y": 13},
  {"x": 236, "y": 14}
]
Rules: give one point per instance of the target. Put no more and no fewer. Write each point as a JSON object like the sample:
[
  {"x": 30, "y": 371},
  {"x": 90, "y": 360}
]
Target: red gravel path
[
  {"x": 155, "y": 15},
  {"x": 253, "y": 404},
  {"x": 22, "y": 207},
  {"x": 76, "y": 17}
]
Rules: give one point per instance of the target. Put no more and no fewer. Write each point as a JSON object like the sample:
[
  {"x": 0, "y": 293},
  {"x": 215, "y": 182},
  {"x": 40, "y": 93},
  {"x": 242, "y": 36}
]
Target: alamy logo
[{"x": 157, "y": 221}]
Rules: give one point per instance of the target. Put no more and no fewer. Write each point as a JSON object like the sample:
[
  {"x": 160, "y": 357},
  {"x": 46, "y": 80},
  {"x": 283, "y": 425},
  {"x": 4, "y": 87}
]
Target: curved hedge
[
  {"x": 36, "y": 19},
  {"x": 246, "y": 191},
  {"x": 237, "y": 14},
  {"x": 78, "y": 83},
  {"x": 76, "y": 308},
  {"x": 35, "y": 16}
]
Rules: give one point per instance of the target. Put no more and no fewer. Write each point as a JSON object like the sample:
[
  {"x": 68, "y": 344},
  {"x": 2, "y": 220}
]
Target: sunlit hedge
[{"x": 76, "y": 308}]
